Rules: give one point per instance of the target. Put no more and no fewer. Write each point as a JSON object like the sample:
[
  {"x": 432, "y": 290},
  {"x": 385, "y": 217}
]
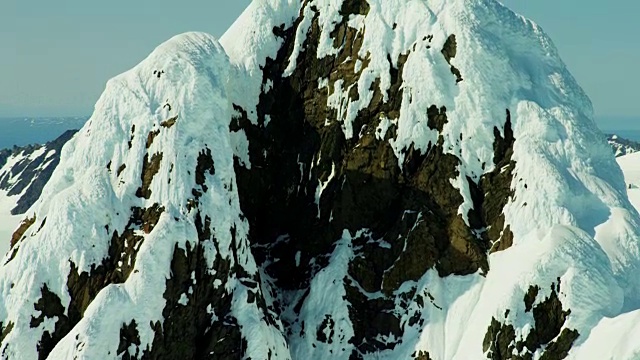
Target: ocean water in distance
[{"x": 24, "y": 130}]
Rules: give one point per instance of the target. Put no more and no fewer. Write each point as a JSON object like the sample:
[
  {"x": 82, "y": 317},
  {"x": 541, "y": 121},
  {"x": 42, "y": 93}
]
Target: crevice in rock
[{"x": 487, "y": 215}]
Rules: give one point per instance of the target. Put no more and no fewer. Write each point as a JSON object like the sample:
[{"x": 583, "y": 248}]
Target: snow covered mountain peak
[
  {"x": 340, "y": 179},
  {"x": 143, "y": 205}
]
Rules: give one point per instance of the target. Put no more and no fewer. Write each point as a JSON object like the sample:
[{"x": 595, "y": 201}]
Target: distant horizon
[
  {"x": 606, "y": 123},
  {"x": 34, "y": 116}
]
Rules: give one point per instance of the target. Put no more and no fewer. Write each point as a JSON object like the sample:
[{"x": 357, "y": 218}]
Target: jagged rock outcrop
[{"x": 342, "y": 179}]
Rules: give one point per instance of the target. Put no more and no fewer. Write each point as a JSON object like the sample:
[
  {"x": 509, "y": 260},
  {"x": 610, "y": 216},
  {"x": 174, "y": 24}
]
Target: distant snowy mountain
[
  {"x": 23, "y": 173},
  {"x": 334, "y": 179},
  {"x": 622, "y": 146}
]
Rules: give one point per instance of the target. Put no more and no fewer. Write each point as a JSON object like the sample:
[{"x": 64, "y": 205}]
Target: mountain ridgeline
[{"x": 348, "y": 179}]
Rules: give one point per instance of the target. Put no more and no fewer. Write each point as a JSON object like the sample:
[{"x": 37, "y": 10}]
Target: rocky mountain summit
[{"x": 333, "y": 179}]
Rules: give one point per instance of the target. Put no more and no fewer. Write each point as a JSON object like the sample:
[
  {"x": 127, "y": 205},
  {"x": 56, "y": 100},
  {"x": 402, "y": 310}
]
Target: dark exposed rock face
[
  {"x": 21, "y": 230},
  {"x": 5, "y": 330},
  {"x": 50, "y": 307},
  {"x": 198, "y": 321},
  {"x": 487, "y": 212},
  {"x": 28, "y": 176},
  {"x": 19, "y": 235},
  {"x": 412, "y": 207},
  {"x": 421, "y": 355},
  {"x": 188, "y": 331},
  {"x": 129, "y": 336},
  {"x": 169, "y": 122},
  {"x": 197, "y": 316}
]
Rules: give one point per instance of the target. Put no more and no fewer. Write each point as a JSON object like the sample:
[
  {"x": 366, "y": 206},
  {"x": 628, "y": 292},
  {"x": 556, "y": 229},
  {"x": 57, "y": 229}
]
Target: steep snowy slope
[
  {"x": 630, "y": 165},
  {"x": 401, "y": 179},
  {"x": 137, "y": 247},
  {"x": 615, "y": 338}
]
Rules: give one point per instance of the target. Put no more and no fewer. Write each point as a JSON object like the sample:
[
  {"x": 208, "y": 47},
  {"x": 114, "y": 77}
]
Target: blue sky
[{"x": 61, "y": 53}]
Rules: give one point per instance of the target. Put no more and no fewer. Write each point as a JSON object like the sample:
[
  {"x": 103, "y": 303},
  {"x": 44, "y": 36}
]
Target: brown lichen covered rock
[
  {"x": 21, "y": 230},
  {"x": 169, "y": 122}
]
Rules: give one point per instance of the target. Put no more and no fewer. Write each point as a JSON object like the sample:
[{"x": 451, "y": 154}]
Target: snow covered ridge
[
  {"x": 137, "y": 245},
  {"x": 622, "y": 146},
  {"x": 333, "y": 180}
]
